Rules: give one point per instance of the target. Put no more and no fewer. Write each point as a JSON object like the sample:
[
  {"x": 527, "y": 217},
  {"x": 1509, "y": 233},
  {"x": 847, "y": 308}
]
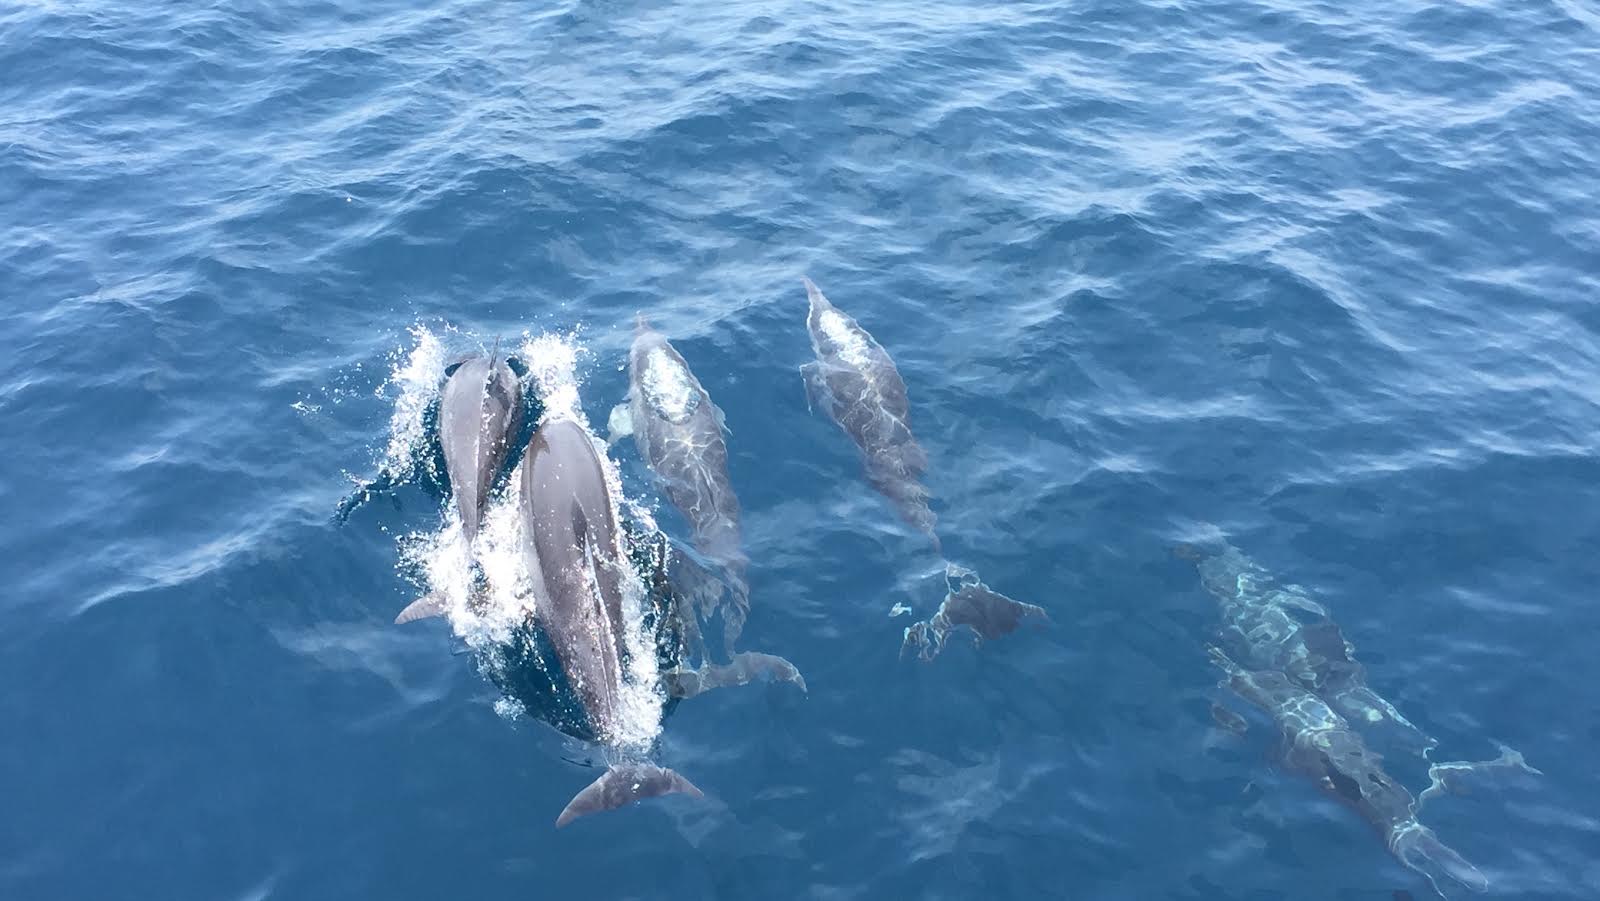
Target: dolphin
[
  {"x": 1319, "y": 743},
  {"x": 1279, "y": 627},
  {"x": 576, "y": 563},
  {"x": 855, "y": 382},
  {"x": 480, "y": 414},
  {"x": 679, "y": 433}
]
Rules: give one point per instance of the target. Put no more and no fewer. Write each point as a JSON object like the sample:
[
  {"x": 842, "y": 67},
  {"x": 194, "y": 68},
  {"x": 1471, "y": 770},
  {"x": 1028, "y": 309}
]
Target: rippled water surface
[{"x": 1319, "y": 276}]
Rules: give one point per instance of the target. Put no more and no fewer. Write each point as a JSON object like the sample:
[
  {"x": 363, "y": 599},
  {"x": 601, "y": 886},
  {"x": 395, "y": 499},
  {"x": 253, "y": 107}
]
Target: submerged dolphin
[
  {"x": 480, "y": 413},
  {"x": 576, "y": 562},
  {"x": 679, "y": 433},
  {"x": 856, "y": 383},
  {"x": 1271, "y": 626},
  {"x": 1318, "y": 743}
]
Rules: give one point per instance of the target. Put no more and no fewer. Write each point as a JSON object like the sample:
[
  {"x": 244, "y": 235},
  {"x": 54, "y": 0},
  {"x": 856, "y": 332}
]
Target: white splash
[
  {"x": 416, "y": 377},
  {"x": 553, "y": 363},
  {"x": 667, "y": 385},
  {"x": 852, "y": 342},
  {"x": 509, "y": 709}
]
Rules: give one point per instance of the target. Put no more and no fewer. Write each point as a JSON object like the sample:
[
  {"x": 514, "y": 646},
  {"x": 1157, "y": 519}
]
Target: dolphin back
[
  {"x": 480, "y": 413},
  {"x": 574, "y": 547},
  {"x": 623, "y": 784}
]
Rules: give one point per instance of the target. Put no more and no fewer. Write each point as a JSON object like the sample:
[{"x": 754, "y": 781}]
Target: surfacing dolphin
[
  {"x": 679, "y": 433},
  {"x": 1318, "y": 743},
  {"x": 576, "y": 562},
  {"x": 1272, "y": 626},
  {"x": 480, "y": 414},
  {"x": 855, "y": 382}
]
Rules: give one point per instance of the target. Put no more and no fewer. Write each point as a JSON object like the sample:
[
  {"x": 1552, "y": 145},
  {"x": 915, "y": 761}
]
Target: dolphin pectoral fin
[
  {"x": 432, "y": 604},
  {"x": 619, "y": 423},
  {"x": 1228, "y": 720},
  {"x": 364, "y": 491},
  {"x": 816, "y": 391},
  {"x": 742, "y": 670},
  {"x": 722, "y": 419},
  {"x": 623, "y": 784}
]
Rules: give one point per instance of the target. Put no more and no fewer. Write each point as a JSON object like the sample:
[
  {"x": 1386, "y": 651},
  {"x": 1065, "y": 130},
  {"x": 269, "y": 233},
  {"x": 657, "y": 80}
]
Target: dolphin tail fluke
[
  {"x": 742, "y": 670},
  {"x": 1419, "y": 849},
  {"x": 987, "y": 613},
  {"x": 624, "y": 784},
  {"x": 432, "y": 604},
  {"x": 1461, "y": 777}
]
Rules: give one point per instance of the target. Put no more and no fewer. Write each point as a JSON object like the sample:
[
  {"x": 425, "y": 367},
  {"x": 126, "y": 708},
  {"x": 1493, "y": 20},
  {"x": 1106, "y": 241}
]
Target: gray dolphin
[
  {"x": 679, "y": 433},
  {"x": 1318, "y": 743},
  {"x": 480, "y": 413},
  {"x": 1270, "y": 625},
  {"x": 855, "y": 382},
  {"x": 576, "y": 561}
]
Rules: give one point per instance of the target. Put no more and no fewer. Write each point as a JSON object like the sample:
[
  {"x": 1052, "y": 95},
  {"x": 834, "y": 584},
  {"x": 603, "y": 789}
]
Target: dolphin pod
[
  {"x": 588, "y": 568},
  {"x": 855, "y": 382}
]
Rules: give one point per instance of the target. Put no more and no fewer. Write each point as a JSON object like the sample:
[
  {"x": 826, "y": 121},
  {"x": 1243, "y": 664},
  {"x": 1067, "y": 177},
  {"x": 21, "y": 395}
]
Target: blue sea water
[{"x": 1321, "y": 276}]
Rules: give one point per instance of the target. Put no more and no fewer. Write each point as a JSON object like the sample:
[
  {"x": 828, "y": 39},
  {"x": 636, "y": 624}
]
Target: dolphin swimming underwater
[
  {"x": 1319, "y": 743},
  {"x": 576, "y": 563},
  {"x": 480, "y": 414},
  {"x": 855, "y": 382},
  {"x": 1271, "y": 626},
  {"x": 679, "y": 433}
]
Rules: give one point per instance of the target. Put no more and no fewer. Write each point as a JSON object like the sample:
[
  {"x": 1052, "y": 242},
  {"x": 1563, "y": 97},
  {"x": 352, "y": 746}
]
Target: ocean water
[{"x": 1321, "y": 277}]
